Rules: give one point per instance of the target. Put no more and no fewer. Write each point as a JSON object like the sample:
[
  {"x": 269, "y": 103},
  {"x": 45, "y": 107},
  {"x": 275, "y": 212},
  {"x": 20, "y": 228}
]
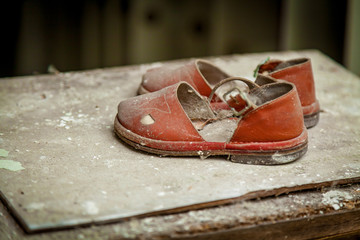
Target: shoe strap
[{"x": 237, "y": 99}]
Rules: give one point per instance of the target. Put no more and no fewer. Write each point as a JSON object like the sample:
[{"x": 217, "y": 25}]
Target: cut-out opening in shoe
[
  {"x": 212, "y": 128},
  {"x": 193, "y": 104},
  {"x": 220, "y": 127},
  {"x": 220, "y": 130},
  {"x": 196, "y": 108},
  {"x": 212, "y": 74},
  {"x": 147, "y": 120}
]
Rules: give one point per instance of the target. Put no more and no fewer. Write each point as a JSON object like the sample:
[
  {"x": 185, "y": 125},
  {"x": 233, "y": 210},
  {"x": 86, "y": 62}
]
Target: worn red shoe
[
  {"x": 200, "y": 74},
  {"x": 299, "y": 72},
  {"x": 178, "y": 121},
  {"x": 203, "y": 76}
]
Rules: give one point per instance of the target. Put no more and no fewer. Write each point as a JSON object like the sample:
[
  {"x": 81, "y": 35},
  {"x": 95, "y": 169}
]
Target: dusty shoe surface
[
  {"x": 256, "y": 124},
  {"x": 200, "y": 74},
  {"x": 299, "y": 72}
]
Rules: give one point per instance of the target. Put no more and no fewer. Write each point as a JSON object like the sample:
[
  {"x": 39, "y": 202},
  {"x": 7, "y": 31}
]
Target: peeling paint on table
[
  {"x": 3, "y": 153},
  {"x": 10, "y": 165}
]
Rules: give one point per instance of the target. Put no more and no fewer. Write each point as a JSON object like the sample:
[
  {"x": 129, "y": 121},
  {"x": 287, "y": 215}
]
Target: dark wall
[{"x": 85, "y": 34}]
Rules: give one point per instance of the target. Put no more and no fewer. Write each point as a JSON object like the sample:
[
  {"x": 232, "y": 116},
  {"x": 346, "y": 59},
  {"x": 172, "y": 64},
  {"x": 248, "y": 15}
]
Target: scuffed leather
[
  {"x": 277, "y": 120},
  {"x": 300, "y": 73},
  {"x": 161, "y": 77},
  {"x": 170, "y": 121}
]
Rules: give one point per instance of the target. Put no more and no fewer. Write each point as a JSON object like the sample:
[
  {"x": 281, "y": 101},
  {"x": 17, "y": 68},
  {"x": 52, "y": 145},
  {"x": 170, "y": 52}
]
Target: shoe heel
[
  {"x": 311, "y": 120},
  {"x": 274, "y": 158}
]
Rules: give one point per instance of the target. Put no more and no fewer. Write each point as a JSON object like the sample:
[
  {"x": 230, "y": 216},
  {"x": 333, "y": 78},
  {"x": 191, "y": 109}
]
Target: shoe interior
[
  {"x": 269, "y": 92},
  {"x": 220, "y": 126},
  {"x": 211, "y": 73},
  {"x": 193, "y": 104},
  {"x": 289, "y": 63}
]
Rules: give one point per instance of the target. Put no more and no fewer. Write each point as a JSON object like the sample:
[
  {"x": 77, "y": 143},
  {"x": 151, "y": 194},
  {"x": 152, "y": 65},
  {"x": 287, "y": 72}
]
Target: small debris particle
[
  {"x": 90, "y": 207},
  {"x": 336, "y": 206}
]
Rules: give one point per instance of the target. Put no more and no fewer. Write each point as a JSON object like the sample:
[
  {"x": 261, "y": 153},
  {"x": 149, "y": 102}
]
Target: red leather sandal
[
  {"x": 299, "y": 72},
  {"x": 203, "y": 76},
  {"x": 255, "y": 124}
]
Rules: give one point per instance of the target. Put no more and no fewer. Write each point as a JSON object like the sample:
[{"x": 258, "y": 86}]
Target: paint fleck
[
  {"x": 90, "y": 207},
  {"x": 36, "y": 206},
  {"x": 11, "y": 165},
  {"x": 3, "y": 153},
  {"x": 161, "y": 194}
]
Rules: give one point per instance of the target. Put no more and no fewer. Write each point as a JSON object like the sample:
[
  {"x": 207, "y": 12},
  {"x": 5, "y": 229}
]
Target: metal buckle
[{"x": 228, "y": 95}]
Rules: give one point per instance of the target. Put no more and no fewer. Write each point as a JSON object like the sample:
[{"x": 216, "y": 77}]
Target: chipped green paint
[
  {"x": 3, "y": 153},
  {"x": 256, "y": 71},
  {"x": 11, "y": 165}
]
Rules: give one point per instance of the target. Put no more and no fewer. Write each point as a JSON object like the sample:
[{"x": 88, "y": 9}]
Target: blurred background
[{"x": 87, "y": 34}]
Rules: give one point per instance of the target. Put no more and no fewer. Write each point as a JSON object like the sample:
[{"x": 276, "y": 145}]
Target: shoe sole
[
  {"x": 311, "y": 120},
  {"x": 256, "y": 157}
]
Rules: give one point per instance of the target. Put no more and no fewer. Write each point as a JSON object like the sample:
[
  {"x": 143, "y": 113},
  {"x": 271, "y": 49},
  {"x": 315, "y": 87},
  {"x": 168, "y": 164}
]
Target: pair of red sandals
[{"x": 198, "y": 109}]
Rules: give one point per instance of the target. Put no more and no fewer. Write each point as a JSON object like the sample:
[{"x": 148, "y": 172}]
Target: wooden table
[{"x": 69, "y": 177}]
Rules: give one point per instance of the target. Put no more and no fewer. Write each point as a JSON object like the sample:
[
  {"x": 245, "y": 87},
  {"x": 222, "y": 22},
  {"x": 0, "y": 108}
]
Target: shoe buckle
[{"x": 230, "y": 95}]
